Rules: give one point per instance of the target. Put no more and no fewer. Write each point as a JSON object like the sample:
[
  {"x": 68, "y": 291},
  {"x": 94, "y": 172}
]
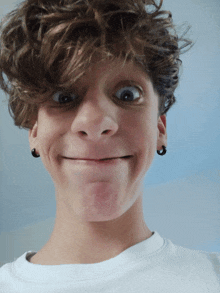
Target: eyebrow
[
  {"x": 118, "y": 80},
  {"x": 129, "y": 81},
  {"x": 79, "y": 89}
]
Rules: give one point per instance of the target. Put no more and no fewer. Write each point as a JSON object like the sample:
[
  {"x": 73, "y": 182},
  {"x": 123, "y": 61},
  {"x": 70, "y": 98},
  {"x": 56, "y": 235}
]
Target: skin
[{"x": 99, "y": 207}]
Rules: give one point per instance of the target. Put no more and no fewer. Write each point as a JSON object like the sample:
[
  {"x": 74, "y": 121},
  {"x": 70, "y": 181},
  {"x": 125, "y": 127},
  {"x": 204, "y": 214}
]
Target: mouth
[
  {"x": 125, "y": 157},
  {"x": 105, "y": 159}
]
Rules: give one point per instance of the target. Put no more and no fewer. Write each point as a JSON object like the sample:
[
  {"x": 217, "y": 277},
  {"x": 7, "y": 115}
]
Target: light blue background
[{"x": 182, "y": 196}]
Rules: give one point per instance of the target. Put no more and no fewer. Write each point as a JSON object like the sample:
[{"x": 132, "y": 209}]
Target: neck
[{"x": 93, "y": 242}]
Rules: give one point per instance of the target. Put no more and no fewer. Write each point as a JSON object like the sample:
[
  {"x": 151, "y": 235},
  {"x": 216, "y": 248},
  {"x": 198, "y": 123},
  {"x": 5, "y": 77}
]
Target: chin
[
  {"x": 105, "y": 213},
  {"x": 100, "y": 215}
]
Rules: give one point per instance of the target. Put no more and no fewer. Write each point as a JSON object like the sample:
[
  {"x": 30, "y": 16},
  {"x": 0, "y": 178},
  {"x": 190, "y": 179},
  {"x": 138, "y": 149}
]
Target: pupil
[
  {"x": 63, "y": 99},
  {"x": 127, "y": 95}
]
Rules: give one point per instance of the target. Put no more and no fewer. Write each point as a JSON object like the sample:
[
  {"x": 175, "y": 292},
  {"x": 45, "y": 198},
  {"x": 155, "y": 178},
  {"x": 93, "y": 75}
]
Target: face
[{"x": 111, "y": 113}]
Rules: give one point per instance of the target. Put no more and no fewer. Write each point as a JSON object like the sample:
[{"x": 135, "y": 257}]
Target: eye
[
  {"x": 64, "y": 98},
  {"x": 128, "y": 93}
]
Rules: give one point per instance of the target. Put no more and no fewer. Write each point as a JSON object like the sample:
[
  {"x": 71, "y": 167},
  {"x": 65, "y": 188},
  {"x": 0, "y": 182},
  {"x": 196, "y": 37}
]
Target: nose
[{"x": 96, "y": 118}]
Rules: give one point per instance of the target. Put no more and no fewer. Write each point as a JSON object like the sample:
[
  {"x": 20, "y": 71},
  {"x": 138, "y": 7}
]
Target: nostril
[{"x": 106, "y": 131}]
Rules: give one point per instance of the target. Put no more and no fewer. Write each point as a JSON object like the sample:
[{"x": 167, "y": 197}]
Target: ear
[
  {"x": 32, "y": 135},
  {"x": 162, "y": 132}
]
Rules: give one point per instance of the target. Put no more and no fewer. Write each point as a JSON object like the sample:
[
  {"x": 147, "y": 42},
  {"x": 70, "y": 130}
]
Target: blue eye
[
  {"x": 128, "y": 93},
  {"x": 64, "y": 98}
]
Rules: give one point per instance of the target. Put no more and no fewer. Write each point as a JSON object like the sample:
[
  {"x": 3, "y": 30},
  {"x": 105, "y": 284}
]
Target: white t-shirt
[{"x": 155, "y": 265}]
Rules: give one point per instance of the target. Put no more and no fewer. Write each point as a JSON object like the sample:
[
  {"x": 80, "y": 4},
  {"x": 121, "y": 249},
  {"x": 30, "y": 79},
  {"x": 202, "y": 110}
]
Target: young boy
[{"x": 93, "y": 81}]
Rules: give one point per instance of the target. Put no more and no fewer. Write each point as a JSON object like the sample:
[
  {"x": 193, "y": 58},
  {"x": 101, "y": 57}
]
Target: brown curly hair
[{"x": 40, "y": 42}]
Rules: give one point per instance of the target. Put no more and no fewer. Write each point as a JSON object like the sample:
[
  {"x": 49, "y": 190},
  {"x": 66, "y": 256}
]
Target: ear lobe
[
  {"x": 32, "y": 135},
  {"x": 162, "y": 132},
  {"x": 163, "y": 121}
]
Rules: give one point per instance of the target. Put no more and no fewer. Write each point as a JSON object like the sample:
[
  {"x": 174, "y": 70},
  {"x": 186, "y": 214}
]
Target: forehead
[{"x": 112, "y": 69}]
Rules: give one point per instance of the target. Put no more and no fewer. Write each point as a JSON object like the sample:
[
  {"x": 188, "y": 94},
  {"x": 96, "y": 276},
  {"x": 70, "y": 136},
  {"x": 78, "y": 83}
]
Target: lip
[
  {"x": 98, "y": 160},
  {"x": 99, "y": 163}
]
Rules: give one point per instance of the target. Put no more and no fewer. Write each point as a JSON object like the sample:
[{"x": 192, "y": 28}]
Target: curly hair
[{"x": 41, "y": 41}]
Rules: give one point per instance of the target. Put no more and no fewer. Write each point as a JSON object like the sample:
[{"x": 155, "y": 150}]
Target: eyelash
[{"x": 121, "y": 90}]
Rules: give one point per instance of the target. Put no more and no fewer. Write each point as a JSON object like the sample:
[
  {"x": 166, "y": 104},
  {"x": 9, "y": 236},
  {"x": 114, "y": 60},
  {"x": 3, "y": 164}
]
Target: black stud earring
[
  {"x": 163, "y": 152},
  {"x": 34, "y": 154}
]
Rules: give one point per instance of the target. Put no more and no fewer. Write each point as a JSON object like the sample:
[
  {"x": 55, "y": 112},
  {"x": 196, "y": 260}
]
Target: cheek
[
  {"x": 49, "y": 128},
  {"x": 49, "y": 144},
  {"x": 143, "y": 139},
  {"x": 142, "y": 128}
]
